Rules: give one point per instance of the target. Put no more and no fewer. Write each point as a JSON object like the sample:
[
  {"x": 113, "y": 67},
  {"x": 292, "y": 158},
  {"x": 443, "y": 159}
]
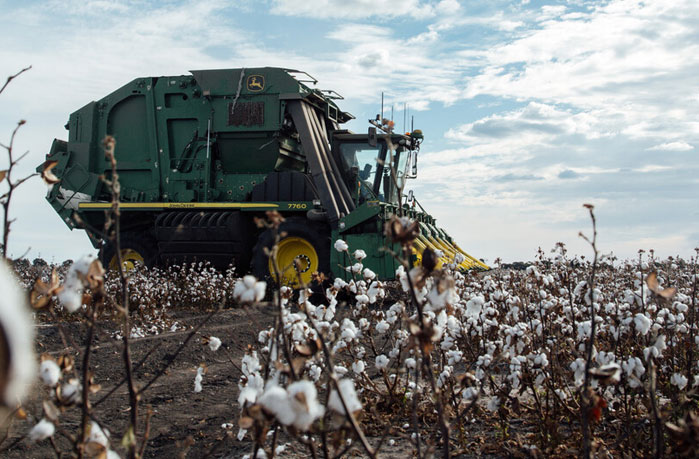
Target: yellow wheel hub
[
  {"x": 129, "y": 258},
  {"x": 296, "y": 258}
]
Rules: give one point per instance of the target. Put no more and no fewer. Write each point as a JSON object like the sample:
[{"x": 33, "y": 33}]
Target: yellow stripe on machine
[{"x": 178, "y": 205}]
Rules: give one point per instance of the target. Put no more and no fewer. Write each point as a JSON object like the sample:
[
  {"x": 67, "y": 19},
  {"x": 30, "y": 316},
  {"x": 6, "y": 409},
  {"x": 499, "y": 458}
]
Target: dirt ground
[{"x": 182, "y": 421}]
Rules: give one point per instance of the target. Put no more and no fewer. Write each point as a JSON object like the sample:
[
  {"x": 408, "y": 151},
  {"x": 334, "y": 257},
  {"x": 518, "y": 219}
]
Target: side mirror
[
  {"x": 372, "y": 136},
  {"x": 414, "y": 165},
  {"x": 411, "y": 196}
]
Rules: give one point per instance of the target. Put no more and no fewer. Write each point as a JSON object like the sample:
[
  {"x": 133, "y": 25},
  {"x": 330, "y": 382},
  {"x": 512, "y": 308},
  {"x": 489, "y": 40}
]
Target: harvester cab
[{"x": 200, "y": 156}]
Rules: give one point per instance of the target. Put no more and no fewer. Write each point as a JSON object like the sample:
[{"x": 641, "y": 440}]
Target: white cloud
[
  {"x": 355, "y": 9},
  {"x": 672, "y": 146},
  {"x": 651, "y": 168},
  {"x": 623, "y": 59}
]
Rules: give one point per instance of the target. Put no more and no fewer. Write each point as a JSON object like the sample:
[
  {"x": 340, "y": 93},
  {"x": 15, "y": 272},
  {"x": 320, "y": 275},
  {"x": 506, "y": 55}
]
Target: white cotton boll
[
  {"x": 539, "y": 380},
  {"x": 97, "y": 435},
  {"x": 250, "y": 364},
  {"x": 541, "y": 360},
  {"x": 111, "y": 454},
  {"x": 459, "y": 258},
  {"x": 642, "y": 323},
  {"x": 660, "y": 344},
  {"x": 375, "y": 291},
  {"x": 314, "y": 372},
  {"x": 410, "y": 362},
  {"x": 275, "y": 400},
  {"x": 437, "y": 300},
  {"x": 403, "y": 278},
  {"x": 71, "y": 391},
  {"x": 340, "y": 370},
  {"x": 474, "y": 306},
  {"x": 679, "y": 380},
  {"x": 280, "y": 449},
  {"x": 71, "y": 297},
  {"x": 382, "y": 327},
  {"x": 198, "y": 379},
  {"x": 494, "y": 404},
  {"x": 359, "y": 366},
  {"x": 340, "y": 344},
  {"x": 364, "y": 324},
  {"x": 348, "y": 334},
  {"x": 214, "y": 343},
  {"x": 362, "y": 299},
  {"x": 447, "y": 343},
  {"x": 454, "y": 357},
  {"x": 348, "y": 394},
  {"x": 341, "y": 246},
  {"x": 49, "y": 372},
  {"x": 241, "y": 434},
  {"x": 359, "y": 254},
  {"x": 249, "y": 290},
  {"x": 381, "y": 362},
  {"x": 260, "y": 288},
  {"x": 469, "y": 393},
  {"x": 42, "y": 430},
  {"x": 356, "y": 268},
  {"x": 304, "y": 402}
]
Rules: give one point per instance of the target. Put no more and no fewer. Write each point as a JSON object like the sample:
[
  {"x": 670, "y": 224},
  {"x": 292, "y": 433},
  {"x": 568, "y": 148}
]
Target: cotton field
[
  {"x": 505, "y": 355},
  {"x": 434, "y": 362}
]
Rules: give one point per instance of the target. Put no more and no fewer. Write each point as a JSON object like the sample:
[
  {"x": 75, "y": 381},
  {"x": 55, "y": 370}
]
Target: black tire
[
  {"x": 316, "y": 234},
  {"x": 140, "y": 242}
]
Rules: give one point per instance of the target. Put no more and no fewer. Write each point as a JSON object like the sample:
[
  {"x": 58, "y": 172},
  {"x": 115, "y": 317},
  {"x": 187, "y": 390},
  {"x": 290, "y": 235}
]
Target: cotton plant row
[
  {"x": 497, "y": 345},
  {"x": 153, "y": 292}
]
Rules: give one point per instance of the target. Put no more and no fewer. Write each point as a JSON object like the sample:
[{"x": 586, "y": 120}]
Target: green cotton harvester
[{"x": 199, "y": 156}]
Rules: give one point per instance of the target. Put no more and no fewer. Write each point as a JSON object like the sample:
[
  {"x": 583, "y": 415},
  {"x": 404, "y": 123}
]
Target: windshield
[
  {"x": 360, "y": 159},
  {"x": 366, "y": 176}
]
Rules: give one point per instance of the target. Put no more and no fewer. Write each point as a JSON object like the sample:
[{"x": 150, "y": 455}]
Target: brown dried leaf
[
  {"x": 42, "y": 292},
  {"x": 654, "y": 286},
  {"x": 274, "y": 218},
  {"x": 308, "y": 349},
  {"x": 402, "y": 230},
  {"x": 47, "y": 175},
  {"x": 3, "y": 174},
  {"x": 95, "y": 274},
  {"x": 21, "y": 414},
  {"x": 298, "y": 363},
  {"x": 95, "y": 450},
  {"x": 607, "y": 374},
  {"x": 301, "y": 398},
  {"x": 51, "y": 412},
  {"x": 245, "y": 422}
]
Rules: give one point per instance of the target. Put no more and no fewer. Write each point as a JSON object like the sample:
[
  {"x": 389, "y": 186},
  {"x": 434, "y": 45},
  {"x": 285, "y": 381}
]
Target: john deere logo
[{"x": 256, "y": 83}]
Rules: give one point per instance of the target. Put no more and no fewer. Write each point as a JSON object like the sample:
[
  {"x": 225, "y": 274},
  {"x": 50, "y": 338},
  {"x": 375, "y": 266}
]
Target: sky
[{"x": 530, "y": 109}]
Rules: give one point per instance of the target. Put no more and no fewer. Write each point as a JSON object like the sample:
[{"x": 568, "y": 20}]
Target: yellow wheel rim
[
  {"x": 129, "y": 258},
  {"x": 296, "y": 258}
]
